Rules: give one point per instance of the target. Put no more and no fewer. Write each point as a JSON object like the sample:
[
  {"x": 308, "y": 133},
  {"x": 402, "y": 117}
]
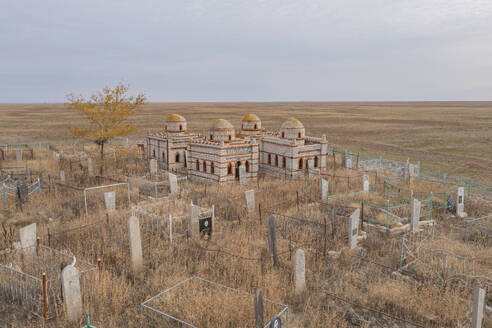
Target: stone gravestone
[
  {"x": 18, "y": 155},
  {"x": 460, "y": 203},
  {"x": 71, "y": 292},
  {"x": 135, "y": 243},
  {"x": 275, "y": 323},
  {"x": 324, "y": 190},
  {"x": 110, "y": 200},
  {"x": 194, "y": 200},
  {"x": 348, "y": 163},
  {"x": 412, "y": 171},
  {"x": 478, "y": 307},
  {"x": 62, "y": 176},
  {"x": 272, "y": 240},
  {"x": 365, "y": 182},
  {"x": 299, "y": 272},
  {"x": 27, "y": 236},
  {"x": 354, "y": 228},
  {"x": 194, "y": 220},
  {"x": 173, "y": 183},
  {"x": 56, "y": 155},
  {"x": 310, "y": 166},
  {"x": 416, "y": 206},
  {"x": 258, "y": 303},
  {"x": 249, "y": 196},
  {"x": 153, "y": 166},
  {"x": 242, "y": 174},
  {"x": 90, "y": 167}
]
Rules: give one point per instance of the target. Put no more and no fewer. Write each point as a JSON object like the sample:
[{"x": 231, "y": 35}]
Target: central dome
[
  {"x": 251, "y": 118},
  {"x": 292, "y": 123},
  {"x": 176, "y": 118},
  {"x": 222, "y": 124}
]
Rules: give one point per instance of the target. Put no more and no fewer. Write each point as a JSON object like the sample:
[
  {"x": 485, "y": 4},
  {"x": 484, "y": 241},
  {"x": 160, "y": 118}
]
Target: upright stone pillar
[
  {"x": 324, "y": 190},
  {"x": 299, "y": 272},
  {"x": 71, "y": 291},
  {"x": 135, "y": 243},
  {"x": 18, "y": 155},
  {"x": 194, "y": 220},
  {"x": 365, "y": 182},
  {"x": 460, "y": 203},
  {"x": 62, "y": 177},
  {"x": 354, "y": 228},
  {"x": 90, "y": 167},
  {"x": 110, "y": 200},
  {"x": 249, "y": 196},
  {"x": 478, "y": 307},
  {"x": 153, "y": 167},
  {"x": 416, "y": 206},
  {"x": 173, "y": 183},
  {"x": 27, "y": 236}
]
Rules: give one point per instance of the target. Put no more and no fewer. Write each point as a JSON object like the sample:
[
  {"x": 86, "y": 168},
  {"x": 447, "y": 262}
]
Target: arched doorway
[{"x": 237, "y": 169}]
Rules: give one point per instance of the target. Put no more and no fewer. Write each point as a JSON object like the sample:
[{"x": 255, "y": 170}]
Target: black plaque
[
  {"x": 205, "y": 225},
  {"x": 276, "y": 323},
  {"x": 22, "y": 191}
]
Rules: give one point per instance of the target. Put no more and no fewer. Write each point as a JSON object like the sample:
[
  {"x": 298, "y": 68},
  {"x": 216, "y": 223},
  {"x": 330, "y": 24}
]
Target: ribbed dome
[
  {"x": 176, "y": 118},
  {"x": 222, "y": 124},
  {"x": 251, "y": 118},
  {"x": 292, "y": 123}
]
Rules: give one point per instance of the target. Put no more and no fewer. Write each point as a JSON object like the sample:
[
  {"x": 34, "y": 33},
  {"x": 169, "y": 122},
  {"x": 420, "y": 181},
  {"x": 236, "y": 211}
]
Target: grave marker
[
  {"x": 258, "y": 302},
  {"x": 135, "y": 243},
  {"x": 27, "y": 236},
  {"x": 194, "y": 223},
  {"x": 18, "y": 155},
  {"x": 365, "y": 182},
  {"x": 173, "y": 183},
  {"x": 348, "y": 163},
  {"x": 275, "y": 323},
  {"x": 324, "y": 190},
  {"x": 299, "y": 272},
  {"x": 242, "y": 174},
  {"x": 153, "y": 166},
  {"x": 478, "y": 307},
  {"x": 416, "y": 206},
  {"x": 90, "y": 168},
  {"x": 272, "y": 240},
  {"x": 62, "y": 176},
  {"x": 249, "y": 196},
  {"x": 71, "y": 292},
  {"x": 460, "y": 203},
  {"x": 354, "y": 228},
  {"x": 110, "y": 200}
]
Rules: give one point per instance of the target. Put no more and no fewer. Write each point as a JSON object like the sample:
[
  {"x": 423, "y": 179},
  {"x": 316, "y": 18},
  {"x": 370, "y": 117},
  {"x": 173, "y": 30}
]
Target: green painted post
[
  {"x": 387, "y": 213},
  {"x": 401, "y": 251},
  {"x": 444, "y": 204},
  {"x": 431, "y": 206},
  {"x": 87, "y": 321}
]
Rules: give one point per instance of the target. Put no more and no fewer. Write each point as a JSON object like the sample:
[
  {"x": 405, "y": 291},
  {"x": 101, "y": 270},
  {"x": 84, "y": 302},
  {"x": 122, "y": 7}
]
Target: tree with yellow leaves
[{"x": 107, "y": 113}]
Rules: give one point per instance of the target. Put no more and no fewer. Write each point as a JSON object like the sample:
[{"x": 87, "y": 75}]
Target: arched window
[
  {"x": 316, "y": 161},
  {"x": 230, "y": 138},
  {"x": 300, "y": 163},
  {"x": 283, "y": 134},
  {"x": 177, "y": 157},
  {"x": 276, "y": 160},
  {"x": 247, "y": 166},
  {"x": 180, "y": 127},
  {"x": 163, "y": 157},
  {"x": 211, "y": 137},
  {"x": 299, "y": 134},
  {"x": 212, "y": 169},
  {"x": 269, "y": 159},
  {"x": 197, "y": 165},
  {"x": 284, "y": 162},
  {"x": 229, "y": 169},
  {"x": 204, "y": 166},
  {"x": 153, "y": 153},
  {"x": 256, "y": 127}
]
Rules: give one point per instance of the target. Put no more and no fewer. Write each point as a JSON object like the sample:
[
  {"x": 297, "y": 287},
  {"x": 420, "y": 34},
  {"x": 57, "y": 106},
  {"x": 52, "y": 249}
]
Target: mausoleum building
[{"x": 224, "y": 155}]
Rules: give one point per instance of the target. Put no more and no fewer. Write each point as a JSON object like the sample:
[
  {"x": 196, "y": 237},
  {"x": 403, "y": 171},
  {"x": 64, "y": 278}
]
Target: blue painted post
[
  {"x": 4, "y": 197},
  {"x": 387, "y": 213},
  {"x": 39, "y": 187}
]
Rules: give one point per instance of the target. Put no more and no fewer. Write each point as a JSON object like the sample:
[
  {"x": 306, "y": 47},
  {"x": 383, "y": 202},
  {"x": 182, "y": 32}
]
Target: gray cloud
[{"x": 235, "y": 50}]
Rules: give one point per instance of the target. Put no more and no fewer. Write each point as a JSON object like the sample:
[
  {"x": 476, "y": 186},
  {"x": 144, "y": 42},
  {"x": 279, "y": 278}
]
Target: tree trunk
[{"x": 102, "y": 159}]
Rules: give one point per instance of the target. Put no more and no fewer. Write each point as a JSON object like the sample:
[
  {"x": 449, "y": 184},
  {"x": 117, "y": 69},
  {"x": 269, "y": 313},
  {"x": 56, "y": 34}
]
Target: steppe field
[
  {"x": 410, "y": 266},
  {"x": 455, "y": 137}
]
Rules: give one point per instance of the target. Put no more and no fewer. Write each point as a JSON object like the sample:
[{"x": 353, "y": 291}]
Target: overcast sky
[{"x": 248, "y": 50}]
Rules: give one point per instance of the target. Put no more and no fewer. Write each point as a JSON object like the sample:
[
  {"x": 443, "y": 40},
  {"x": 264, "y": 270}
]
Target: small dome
[
  {"x": 251, "y": 118},
  {"x": 292, "y": 123},
  {"x": 221, "y": 124},
  {"x": 176, "y": 118}
]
